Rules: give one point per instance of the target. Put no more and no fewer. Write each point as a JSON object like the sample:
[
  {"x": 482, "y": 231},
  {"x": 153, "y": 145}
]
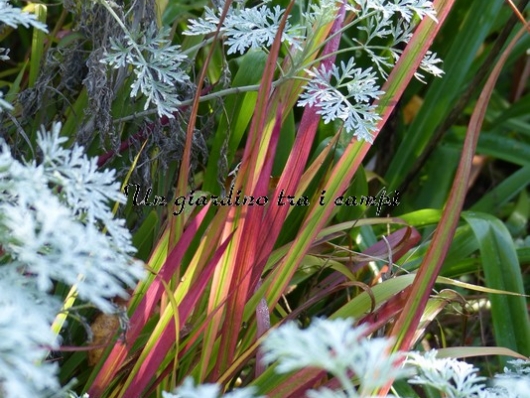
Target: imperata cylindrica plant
[{"x": 288, "y": 299}]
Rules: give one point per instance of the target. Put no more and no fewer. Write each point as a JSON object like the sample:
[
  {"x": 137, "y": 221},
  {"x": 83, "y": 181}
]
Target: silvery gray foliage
[
  {"x": 320, "y": 13},
  {"x": 515, "y": 381},
  {"x": 338, "y": 348},
  {"x": 84, "y": 189},
  {"x": 12, "y": 16},
  {"x": 156, "y": 63},
  {"x": 4, "y": 54},
  {"x": 453, "y": 378},
  {"x": 25, "y": 334},
  {"x": 52, "y": 217},
  {"x": 456, "y": 379},
  {"x": 188, "y": 389},
  {"x": 325, "y": 91},
  {"x": 53, "y": 214},
  {"x": 384, "y": 24},
  {"x": 4, "y": 105},
  {"x": 244, "y": 28},
  {"x": 331, "y": 345},
  {"x": 389, "y": 22},
  {"x": 343, "y": 350}
]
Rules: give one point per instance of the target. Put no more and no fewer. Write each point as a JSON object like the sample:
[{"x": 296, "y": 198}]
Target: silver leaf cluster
[
  {"x": 393, "y": 21},
  {"x": 347, "y": 93},
  {"x": 25, "y": 334},
  {"x": 53, "y": 214},
  {"x": 12, "y": 16},
  {"x": 54, "y": 227},
  {"x": 515, "y": 381},
  {"x": 458, "y": 379},
  {"x": 454, "y": 378},
  {"x": 188, "y": 389},
  {"x": 345, "y": 352},
  {"x": 244, "y": 28},
  {"x": 156, "y": 64},
  {"x": 338, "y": 348},
  {"x": 344, "y": 93}
]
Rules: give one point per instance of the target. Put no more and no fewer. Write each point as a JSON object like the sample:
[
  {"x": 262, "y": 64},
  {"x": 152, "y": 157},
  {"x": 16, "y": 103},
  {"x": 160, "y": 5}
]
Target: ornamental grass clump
[{"x": 242, "y": 134}]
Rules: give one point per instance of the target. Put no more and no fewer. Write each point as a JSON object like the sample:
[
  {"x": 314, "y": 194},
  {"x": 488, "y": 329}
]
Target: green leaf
[
  {"x": 238, "y": 110},
  {"x": 504, "y": 147},
  {"x": 474, "y": 28},
  {"x": 504, "y": 192},
  {"x": 37, "y": 45},
  {"x": 502, "y": 271}
]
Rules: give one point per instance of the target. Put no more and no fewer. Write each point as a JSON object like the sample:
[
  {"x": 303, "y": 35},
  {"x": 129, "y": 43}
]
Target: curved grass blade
[
  {"x": 406, "y": 324},
  {"x": 503, "y": 272}
]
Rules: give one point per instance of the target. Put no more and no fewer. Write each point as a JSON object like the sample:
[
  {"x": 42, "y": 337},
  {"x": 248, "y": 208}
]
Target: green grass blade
[
  {"x": 503, "y": 272},
  {"x": 442, "y": 93},
  {"x": 504, "y": 192},
  {"x": 37, "y": 45},
  {"x": 403, "y": 329}
]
